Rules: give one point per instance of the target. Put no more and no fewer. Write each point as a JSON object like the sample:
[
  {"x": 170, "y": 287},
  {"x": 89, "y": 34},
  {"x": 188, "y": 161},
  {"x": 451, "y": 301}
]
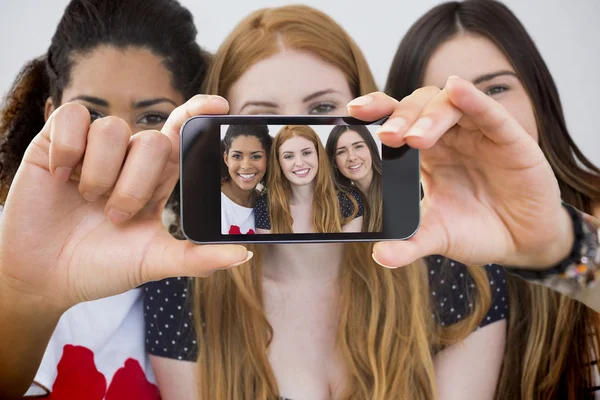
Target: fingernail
[
  {"x": 394, "y": 125},
  {"x": 90, "y": 197},
  {"x": 248, "y": 257},
  {"x": 117, "y": 216},
  {"x": 62, "y": 173},
  {"x": 418, "y": 129},
  {"x": 360, "y": 101},
  {"x": 383, "y": 265}
]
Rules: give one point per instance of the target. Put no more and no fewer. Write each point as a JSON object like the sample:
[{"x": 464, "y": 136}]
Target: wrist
[
  {"x": 579, "y": 270},
  {"x": 561, "y": 247}
]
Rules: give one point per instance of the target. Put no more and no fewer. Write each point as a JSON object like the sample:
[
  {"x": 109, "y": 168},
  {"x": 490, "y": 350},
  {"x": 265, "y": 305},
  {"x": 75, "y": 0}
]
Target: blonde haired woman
[
  {"x": 302, "y": 196},
  {"x": 319, "y": 321}
]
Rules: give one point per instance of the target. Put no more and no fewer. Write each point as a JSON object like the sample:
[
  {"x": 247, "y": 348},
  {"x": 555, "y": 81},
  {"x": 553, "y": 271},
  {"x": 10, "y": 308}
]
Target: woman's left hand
[{"x": 490, "y": 194}]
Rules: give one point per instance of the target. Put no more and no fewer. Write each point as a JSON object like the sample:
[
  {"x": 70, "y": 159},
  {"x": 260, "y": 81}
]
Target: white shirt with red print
[
  {"x": 235, "y": 219},
  {"x": 97, "y": 353}
]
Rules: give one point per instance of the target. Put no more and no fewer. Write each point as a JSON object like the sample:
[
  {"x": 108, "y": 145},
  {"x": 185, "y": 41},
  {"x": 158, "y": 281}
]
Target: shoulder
[
  {"x": 168, "y": 316},
  {"x": 453, "y": 291},
  {"x": 348, "y": 198},
  {"x": 261, "y": 212}
]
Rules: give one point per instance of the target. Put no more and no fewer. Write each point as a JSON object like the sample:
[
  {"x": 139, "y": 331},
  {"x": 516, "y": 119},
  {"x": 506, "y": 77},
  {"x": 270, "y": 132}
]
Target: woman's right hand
[{"x": 82, "y": 219}]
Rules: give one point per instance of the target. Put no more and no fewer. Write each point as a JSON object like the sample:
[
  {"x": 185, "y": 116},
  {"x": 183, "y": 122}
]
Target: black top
[
  {"x": 261, "y": 208},
  {"x": 169, "y": 320}
]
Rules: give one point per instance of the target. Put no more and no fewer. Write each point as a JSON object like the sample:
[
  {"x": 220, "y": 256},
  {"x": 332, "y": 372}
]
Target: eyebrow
[
  {"x": 91, "y": 99},
  {"x": 307, "y": 148},
  {"x": 151, "y": 102},
  {"x": 269, "y": 104},
  {"x": 140, "y": 104},
  {"x": 489, "y": 77},
  {"x": 353, "y": 144},
  {"x": 318, "y": 94},
  {"x": 241, "y": 152},
  {"x": 258, "y": 104}
]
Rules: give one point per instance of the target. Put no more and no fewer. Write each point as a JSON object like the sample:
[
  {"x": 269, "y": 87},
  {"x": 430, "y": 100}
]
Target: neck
[
  {"x": 364, "y": 183},
  {"x": 302, "y": 194},
  {"x": 238, "y": 196},
  {"x": 319, "y": 262}
]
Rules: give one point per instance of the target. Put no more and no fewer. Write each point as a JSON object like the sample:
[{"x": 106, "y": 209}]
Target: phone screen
[{"x": 288, "y": 179}]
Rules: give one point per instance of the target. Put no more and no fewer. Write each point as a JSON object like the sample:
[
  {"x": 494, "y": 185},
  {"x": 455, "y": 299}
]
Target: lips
[
  {"x": 247, "y": 177},
  {"x": 301, "y": 173},
  {"x": 354, "y": 168}
]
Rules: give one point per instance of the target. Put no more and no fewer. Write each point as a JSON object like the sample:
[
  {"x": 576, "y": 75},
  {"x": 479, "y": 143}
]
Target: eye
[
  {"x": 257, "y": 157},
  {"x": 287, "y": 156},
  {"x": 152, "y": 118},
  {"x": 236, "y": 157},
  {"x": 94, "y": 115},
  {"x": 340, "y": 152},
  {"x": 497, "y": 89},
  {"x": 322, "y": 108},
  {"x": 307, "y": 153}
]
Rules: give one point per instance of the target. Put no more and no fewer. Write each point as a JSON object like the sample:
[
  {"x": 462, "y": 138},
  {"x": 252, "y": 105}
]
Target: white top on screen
[{"x": 236, "y": 219}]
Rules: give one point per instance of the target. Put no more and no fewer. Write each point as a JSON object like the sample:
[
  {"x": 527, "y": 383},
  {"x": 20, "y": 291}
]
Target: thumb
[
  {"x": 169, "y": 257},
  {"x": 425, "y": 242}
]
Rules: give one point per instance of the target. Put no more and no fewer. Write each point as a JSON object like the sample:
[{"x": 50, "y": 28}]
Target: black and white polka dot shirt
[
  {"x": 170, "y": 327},
  {"x": 261, "y": 208}
]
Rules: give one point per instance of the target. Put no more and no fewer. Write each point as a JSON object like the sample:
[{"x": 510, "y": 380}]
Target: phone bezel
[{"x": 201, "y": 228}]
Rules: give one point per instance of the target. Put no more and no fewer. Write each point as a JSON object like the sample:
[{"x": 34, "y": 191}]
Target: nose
[
  {"x": 246, "y": 163},
  {"x": 351, "y": 155}
]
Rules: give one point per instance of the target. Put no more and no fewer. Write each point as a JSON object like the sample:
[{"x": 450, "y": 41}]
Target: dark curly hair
[{"x": 162, "y": 26}]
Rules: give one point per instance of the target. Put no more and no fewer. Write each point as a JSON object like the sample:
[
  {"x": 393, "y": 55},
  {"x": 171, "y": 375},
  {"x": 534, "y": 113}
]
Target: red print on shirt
[
  {"x": 235, "y": 230},
  {"x": 78, "y": 378}
]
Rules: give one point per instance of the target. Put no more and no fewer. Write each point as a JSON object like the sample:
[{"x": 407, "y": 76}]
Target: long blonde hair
[
  {"x": 327, "y": 215},
  {"x": 386, "y": 334}
]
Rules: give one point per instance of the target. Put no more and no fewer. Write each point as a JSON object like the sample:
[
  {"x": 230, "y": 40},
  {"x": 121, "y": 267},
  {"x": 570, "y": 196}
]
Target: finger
[
  {"x": 140, "y": 176},
  {"x": 197, "y": 105},
  {"x": 490, "y": 116},
  {"x": 436, "y": 118},
  {"x": 66, "y": 130},
  {"x": 169, "y": 257},
  {"x": 425, "y": 242},
  {"x": 107, "y": 143},
  {"x": 401, "y": 114}
]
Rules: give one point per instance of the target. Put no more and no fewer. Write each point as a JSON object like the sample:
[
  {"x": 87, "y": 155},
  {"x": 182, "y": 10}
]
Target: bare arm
[
  {"x": 353, "y": 226},
  {"x": 470, "y": 369},
  {"x": 176, "y": 379},
  {"x": 26, "y": 325}
]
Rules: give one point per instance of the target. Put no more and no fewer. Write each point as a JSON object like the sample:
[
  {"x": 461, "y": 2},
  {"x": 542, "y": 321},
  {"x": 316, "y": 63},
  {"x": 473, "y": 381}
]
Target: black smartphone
[{"x": 286, "y": 179}]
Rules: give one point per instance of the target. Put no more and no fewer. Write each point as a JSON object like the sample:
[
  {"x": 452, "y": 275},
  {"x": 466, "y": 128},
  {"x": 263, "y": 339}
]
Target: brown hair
[
  {"x": 386, "y": 354},
  {"x": 373, "y": 220},
  {"x": 542, "y": 361}
]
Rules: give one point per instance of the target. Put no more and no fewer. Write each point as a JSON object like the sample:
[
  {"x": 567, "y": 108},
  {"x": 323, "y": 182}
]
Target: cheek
[
  {"x": 261, "y": 165},
  {"x": 366, "y": 156}
]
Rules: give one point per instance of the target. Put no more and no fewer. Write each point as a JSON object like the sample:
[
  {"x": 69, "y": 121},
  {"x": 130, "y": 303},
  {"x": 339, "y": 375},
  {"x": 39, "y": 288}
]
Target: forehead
[
  {"x": 349, "y": 137},
  {"x": 296, "y": 142},
  {"x": 467, "y": 56},
  {"x": 245, "y": 140},
  {"x": 109, "y": 73},
  {"x": 287, "y": 76}
]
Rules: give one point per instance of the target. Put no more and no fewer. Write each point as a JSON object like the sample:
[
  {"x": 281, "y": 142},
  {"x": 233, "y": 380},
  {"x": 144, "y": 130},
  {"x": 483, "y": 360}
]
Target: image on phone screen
[{"x": 295, "y": 179}]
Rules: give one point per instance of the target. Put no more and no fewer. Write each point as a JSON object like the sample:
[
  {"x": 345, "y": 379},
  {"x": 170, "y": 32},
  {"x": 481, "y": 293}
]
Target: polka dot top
[
  {"x": 169, "y": 318},
  {"x": 261, "y": 208}
]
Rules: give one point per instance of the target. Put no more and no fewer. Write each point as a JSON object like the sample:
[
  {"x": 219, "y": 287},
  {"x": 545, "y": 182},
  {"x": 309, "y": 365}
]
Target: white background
[
  {"x": 322, "y": 130},
  {"x": 566, "y": 32}
]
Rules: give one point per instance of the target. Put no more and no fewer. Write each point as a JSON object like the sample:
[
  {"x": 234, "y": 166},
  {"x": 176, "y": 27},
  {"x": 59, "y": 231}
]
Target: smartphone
[{"x": 287, "y": 179}]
